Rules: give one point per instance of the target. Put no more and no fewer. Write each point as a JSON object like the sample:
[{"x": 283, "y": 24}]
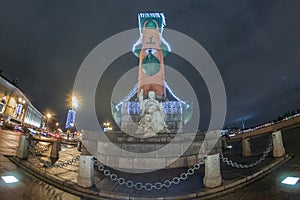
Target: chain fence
[
  {"x": 256, "y": 148},
  {"x": 48, "y": 164},
  {"x": 234, "y": 164},
  {"x": 148, "y": 186},
  {"x": 183, "y": 176},
  {"x": 39, "y": 148},
  {"x": 36, "y": 149}
]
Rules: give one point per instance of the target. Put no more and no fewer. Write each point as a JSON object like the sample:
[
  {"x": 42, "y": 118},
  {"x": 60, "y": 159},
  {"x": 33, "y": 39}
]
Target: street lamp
[
  {"x": 48, "y": 116},
  {"x": 107, "y": 126},
  {"x": 74, "y": 102}
]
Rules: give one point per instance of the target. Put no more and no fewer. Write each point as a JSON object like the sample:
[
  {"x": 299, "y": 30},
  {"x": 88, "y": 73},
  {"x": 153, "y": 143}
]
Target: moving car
[
  {"x": 16, "y": 124},
  {"x": 44, "y": 133},
  {"x": 18, "y": 128},
  {"x": 33, "y": 132},
  {"x": 54, "y": 135}
]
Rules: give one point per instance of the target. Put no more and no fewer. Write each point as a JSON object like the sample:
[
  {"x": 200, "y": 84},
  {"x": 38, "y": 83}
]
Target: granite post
[
  {"x": 55, "y": 150},
  {"x": 224, "y": 144},
  {"x": 247, "y": 152},
  {"x": 22, "y": 151},
  {"x": 59, "y": 144},
  {"x": 212, "y": 177},
  {"x": 85, "y": 176},
  {"x": 278, "y": 148}
]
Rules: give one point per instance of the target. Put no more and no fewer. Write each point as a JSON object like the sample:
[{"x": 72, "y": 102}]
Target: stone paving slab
[
  {"x": 3, "y": 158},
  {"x": 8, "y": 166},
  {"x": 8, "y": 151},
  {"x": 69, "y": 175}
]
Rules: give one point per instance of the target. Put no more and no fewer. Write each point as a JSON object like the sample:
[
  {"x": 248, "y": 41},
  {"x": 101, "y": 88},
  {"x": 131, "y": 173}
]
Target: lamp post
[
  {"x": 75, "y": 103},
  {"x": 48, "y": 116}
]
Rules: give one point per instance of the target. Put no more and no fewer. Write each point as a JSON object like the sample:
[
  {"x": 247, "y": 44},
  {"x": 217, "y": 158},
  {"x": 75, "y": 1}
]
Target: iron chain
[
  {"x": 243, "y": 166},
  {"x": 32, "y": 148},
  {"x": 148, "y": 186}
]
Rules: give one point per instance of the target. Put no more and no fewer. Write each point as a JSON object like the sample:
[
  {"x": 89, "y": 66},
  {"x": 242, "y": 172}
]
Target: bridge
[{"x": 285, "y": 124}]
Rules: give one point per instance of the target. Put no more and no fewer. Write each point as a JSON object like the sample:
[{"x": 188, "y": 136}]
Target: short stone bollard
[
  {"x": 55, "y": 150},
  {"x": 212, "y": 177},
  {"x": 22, "y": 151},
  {"x": 224, "y": 144},
  {"x": 59, "y": 144},
  {"x": 79, "y": 145},
  {"x": 247, "y": 152},
  {"x": 278, "y": 148},
  {"x": 85, "y": 177}
]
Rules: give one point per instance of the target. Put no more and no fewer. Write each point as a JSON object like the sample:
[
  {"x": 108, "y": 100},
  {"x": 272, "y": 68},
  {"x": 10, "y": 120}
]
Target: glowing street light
[
  {"x": 48, "y": 116},
  {"x": 107, "y": 126},
  {"x": 74, "y": 102},
  {"x": 21, "y": 100}
]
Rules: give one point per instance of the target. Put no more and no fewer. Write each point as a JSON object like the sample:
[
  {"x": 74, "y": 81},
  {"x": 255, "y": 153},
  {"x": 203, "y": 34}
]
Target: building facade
[{"x": 16, "y": 107}]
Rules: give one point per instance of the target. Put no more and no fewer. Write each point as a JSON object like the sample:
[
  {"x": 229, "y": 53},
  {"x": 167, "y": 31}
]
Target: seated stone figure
[{"x": 153, "y": 117}]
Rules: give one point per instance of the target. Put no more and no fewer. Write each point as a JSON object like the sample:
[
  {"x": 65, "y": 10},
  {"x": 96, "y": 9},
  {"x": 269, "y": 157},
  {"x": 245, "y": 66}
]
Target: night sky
[{"x": 255, "y": 44}]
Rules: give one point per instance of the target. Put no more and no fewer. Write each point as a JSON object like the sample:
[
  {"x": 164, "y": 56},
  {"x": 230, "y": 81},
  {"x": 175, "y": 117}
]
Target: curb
[
  {"x": 87, "y": 193},
  {"x": 240, "y": 183}
]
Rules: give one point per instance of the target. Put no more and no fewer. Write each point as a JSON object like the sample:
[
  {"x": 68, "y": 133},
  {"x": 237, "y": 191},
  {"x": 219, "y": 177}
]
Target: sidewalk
[
  {"x": 28, "y": 186},
  {"x": 12, "y": 190},
  {"x": 65, "y": 178}
]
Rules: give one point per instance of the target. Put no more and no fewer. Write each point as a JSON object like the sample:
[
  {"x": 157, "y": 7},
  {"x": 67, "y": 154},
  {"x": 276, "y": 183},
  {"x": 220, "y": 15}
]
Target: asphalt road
[{"x": 270, "y": 187}]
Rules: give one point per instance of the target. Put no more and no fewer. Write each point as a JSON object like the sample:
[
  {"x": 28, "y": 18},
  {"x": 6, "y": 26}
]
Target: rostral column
[{"x": 151, "y": 49}]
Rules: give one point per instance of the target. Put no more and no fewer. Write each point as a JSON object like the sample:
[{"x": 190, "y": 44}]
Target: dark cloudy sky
[{"x": 255, "y": 44}]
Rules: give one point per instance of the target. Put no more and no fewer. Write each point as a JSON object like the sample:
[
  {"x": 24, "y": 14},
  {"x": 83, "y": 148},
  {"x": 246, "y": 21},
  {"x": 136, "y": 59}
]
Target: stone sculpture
[{"x": 152, "y": 116}]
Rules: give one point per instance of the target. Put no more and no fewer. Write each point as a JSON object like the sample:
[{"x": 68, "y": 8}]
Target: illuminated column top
[{"x": 151, "y": 48}]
